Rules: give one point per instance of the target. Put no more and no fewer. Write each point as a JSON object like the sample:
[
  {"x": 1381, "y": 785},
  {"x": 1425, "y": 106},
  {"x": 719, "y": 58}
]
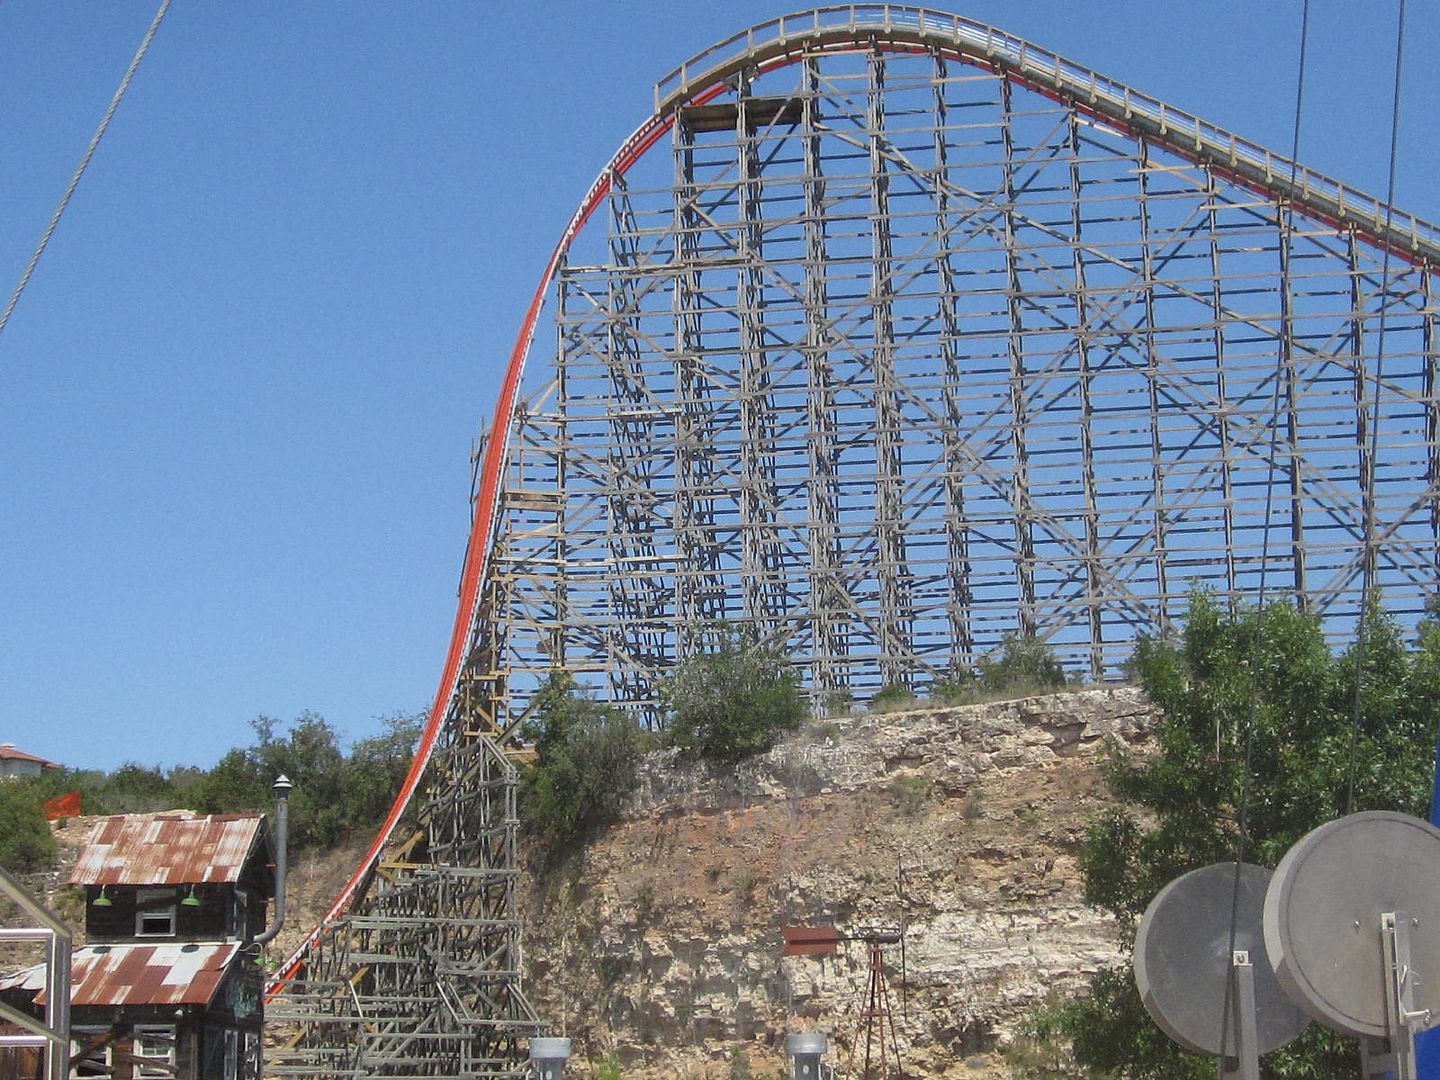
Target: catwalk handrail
[{"x": 843, "y": 26}]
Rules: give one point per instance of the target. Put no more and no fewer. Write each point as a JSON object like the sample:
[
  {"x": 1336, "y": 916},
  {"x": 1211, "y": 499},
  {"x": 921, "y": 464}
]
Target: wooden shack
[{"x": 165, "y": 985}]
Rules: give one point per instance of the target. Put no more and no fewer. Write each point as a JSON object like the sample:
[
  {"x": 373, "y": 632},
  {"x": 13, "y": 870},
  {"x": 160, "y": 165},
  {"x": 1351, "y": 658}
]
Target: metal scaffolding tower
[{"x": 918, "y": 338}]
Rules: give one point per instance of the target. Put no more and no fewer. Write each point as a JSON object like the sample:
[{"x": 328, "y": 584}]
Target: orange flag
[{"x": 65, "y": 806}]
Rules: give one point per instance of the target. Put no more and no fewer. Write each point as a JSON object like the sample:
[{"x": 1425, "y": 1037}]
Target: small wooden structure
[{"x": 165, "y": 985}]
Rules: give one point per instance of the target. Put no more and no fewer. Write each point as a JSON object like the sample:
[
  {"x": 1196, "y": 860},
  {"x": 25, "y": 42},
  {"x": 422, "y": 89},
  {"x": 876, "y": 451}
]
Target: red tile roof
[
  {"x": 168, "y": 849},
  {"x": 9, "y": 753},
  {"x": 175, "y": 974}
]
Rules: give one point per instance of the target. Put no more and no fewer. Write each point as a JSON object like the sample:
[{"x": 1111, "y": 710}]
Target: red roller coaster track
[{"x": 482, "y": 525}]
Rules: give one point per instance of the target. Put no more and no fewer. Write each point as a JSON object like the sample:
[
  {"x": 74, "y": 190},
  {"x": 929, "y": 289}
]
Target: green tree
[
  {"x": 377, "y": 767},
  {"x": 587, "y": 756},
  {"x": 233, "y": 785},
  {"x": 53, "y": 783},
  {"x": 1266, "y": 677},
  {"x": 184, "y": 783},
  {"x": 335, "y": 795},
  {"x": 138, "y": 789},
  {"x": 733, "y": 699},
  {"x": 25, "y": 839},
  {"x": 130, "y": 789}
]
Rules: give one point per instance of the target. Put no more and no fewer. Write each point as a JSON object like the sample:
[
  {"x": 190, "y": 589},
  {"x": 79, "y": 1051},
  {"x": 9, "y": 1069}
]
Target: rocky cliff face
[{"x": 661, "y": 942}]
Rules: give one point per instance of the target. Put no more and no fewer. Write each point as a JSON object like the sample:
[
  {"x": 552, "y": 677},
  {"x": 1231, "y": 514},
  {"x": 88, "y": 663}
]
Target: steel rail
[{"x": 781, "y": 42}]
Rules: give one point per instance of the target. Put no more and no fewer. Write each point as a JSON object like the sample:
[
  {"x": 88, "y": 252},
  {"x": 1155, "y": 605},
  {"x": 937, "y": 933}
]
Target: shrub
[
  {"x": 645, "y": 900},
  {"x": 1040, "y": 1048},
  {"x": 69, "y": 904},
  {"x": 25, "y": 839},
  {"x": 588, "y": 755},
  {"x": 135, "y": 789},
  {"x": 909, "y": 794},
  {"x": 732, "y": 700},
  {"x": 956, "y": 691},
  {"x": 1022, "y": 663},
  {"x": 744, "y": 879},
  {"x": 892, "y": 697}
]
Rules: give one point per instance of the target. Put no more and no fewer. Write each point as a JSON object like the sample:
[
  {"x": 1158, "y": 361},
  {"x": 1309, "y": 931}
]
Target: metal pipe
[
  {"x": 806, "y": 1049},
  {"x": 57, "y": 1005},
  {"x": 549, "y": 1055},
  {"x": 282, "y": 825}
]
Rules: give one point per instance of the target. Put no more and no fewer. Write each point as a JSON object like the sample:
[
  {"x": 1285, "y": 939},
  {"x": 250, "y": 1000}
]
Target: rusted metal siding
[
  {"x": 125, "y": 975},
  {"x": 168, "y": 849}
]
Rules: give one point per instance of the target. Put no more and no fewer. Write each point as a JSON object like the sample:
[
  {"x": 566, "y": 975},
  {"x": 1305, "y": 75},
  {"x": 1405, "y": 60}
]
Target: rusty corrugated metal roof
[
  {"x": 175, "y": 974},
  {"x": 167, "y": 849}
]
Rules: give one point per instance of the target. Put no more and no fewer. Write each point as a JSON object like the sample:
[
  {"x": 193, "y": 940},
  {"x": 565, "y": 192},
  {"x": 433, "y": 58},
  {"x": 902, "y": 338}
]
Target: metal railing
[{"x": 53, "y": 1034}]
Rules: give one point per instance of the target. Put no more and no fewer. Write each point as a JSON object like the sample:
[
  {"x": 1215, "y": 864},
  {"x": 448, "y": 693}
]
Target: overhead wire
[
  {"x": 1367, "y": 494},
  {"x": 1285, "y": 221},
  {"x": 125, "y": 82},
  {"x": 1367, "y": 481}
]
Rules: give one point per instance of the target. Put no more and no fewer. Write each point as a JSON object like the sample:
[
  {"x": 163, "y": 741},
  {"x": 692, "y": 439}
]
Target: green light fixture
[
  {"x": 103, "y": 900},
  {"x": 191, "y": 901}
]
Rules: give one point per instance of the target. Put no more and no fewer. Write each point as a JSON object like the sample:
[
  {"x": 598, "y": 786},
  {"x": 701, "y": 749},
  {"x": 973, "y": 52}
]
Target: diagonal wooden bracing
[
  {"x": 917, "y": 337},
  {"x": 973, "y": 364}
]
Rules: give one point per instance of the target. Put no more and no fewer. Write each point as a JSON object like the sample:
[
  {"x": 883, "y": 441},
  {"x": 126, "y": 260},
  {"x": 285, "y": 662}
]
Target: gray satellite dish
[
  {"x": 1323, "y": 920},
  {"x": 1184, "y": 965}
]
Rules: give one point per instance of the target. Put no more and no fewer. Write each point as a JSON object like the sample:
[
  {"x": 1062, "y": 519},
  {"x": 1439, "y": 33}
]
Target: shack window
[
  {"x": 156, "y": 1044},
  {"x": 253, "y": 1061},
  {"x": 155, "y": 913},
  {"x": 94, "y": 1056}
]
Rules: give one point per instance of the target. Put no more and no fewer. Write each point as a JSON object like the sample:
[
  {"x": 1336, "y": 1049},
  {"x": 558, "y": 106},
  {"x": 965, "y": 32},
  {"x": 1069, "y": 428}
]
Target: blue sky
[{"x": 238, "y": 399}]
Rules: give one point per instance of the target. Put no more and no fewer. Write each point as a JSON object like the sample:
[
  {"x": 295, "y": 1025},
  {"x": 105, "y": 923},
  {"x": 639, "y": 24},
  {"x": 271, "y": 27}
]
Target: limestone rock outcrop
[{"x": 661, "y": 942}]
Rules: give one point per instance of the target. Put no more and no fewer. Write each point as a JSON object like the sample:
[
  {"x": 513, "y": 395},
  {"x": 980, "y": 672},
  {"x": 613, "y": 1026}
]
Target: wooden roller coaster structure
[{"x": 918, "y": 338}]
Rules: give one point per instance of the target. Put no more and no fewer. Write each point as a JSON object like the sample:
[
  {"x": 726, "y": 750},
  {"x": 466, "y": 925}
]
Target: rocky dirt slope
[{"x": 661, "y": 942}]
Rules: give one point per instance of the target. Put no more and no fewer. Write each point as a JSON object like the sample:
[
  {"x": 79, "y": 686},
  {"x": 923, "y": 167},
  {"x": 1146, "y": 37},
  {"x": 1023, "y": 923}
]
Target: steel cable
[
  {"x": 1242, "y": 815},
  {"x": 84, "y": 164},
  {"x": 1368, "y": 494},
  {"x": 1367, "y": 489}
]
